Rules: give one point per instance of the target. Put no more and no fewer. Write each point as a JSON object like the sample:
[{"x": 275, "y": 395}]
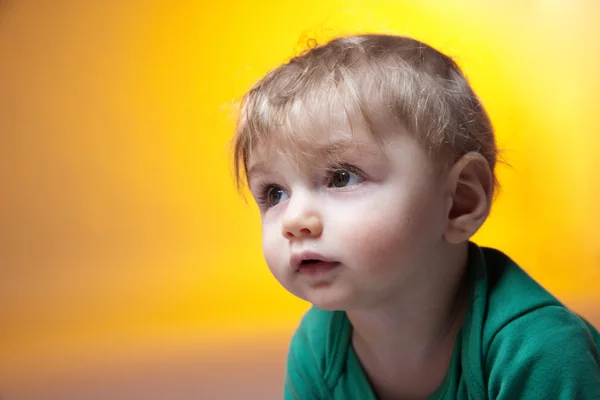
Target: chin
[{"x": 328, "y": 299}]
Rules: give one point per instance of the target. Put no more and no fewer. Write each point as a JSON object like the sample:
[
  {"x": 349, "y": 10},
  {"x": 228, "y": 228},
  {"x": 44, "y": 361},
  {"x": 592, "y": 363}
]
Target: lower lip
[{"x": 317, "y": 269}]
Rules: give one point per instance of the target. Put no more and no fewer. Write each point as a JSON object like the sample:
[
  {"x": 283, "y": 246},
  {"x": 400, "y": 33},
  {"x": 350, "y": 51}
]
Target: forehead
[
  {"x": 336, "y": 140},
  {"x": 324, "y": 126}
]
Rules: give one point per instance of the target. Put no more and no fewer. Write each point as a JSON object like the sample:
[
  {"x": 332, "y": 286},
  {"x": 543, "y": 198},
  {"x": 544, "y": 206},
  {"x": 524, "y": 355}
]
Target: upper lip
[{"x": 297, "y": 258}]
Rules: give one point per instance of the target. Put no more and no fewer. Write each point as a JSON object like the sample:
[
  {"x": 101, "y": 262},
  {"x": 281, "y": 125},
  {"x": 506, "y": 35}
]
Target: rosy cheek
[
  {"x": 374, "y": 241},
  {"x": 271, "y": 246},
  {"x": 382, "y": 239}
]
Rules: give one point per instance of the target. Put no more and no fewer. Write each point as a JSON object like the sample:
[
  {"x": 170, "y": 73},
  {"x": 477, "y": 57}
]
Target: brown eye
[
  {"x": 275, "y": 195},
  {"x": 343, "y": 177},
  {"x": 340, "y": 178}
]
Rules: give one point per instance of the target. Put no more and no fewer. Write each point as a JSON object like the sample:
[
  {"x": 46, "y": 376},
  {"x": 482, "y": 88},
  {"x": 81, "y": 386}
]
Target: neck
[{"x": 417, "y": 323}]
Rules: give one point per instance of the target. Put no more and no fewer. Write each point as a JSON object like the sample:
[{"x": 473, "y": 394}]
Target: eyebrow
[
  {"x": 344, "y": 146},
  {"x": 256, "y": 168},
  {"x": 336, "y": 149}
]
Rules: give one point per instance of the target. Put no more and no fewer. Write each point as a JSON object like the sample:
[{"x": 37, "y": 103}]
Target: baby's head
[{"x": 372, "y": 162}]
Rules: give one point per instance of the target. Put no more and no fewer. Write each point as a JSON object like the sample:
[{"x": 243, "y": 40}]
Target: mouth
[
  {"x": 316, "y": 267},
  {"x": 312, "y": 264}
]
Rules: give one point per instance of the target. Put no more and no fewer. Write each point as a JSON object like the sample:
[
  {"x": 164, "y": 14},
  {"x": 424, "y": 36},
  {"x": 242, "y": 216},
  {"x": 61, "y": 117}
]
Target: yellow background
[{"x": 121, "y": 234}]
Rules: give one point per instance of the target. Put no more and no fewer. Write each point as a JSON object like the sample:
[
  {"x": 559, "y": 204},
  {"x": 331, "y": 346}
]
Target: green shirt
[{"x": 517, "y": 342}]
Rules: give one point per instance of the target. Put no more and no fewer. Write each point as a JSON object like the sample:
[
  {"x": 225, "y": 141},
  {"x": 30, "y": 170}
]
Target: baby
[{"x": 372, "y": 163}]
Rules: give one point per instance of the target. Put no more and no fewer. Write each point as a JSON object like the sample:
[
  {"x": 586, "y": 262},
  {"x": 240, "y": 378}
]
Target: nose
[{"x": 300, "y": 221}]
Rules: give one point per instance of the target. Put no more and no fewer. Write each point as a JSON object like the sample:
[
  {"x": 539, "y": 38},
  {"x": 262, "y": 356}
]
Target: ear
[{"x": 470, "y": 190}]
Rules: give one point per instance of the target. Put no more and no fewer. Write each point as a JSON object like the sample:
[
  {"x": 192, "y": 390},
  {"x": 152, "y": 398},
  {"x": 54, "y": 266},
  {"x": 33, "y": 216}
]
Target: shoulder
[
  {"x": 314, "y": 355},
  {"x": 522, "y": 342},
  {"x": 533, "y": 346},
  {"x": 505, "y": 278},
  {"x": 508, "y": 292},
  {"x": 548, "y": 352}
]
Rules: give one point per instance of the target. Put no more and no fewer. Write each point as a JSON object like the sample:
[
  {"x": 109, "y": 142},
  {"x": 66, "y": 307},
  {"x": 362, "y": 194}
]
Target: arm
[{"x": 546, "y": 354}]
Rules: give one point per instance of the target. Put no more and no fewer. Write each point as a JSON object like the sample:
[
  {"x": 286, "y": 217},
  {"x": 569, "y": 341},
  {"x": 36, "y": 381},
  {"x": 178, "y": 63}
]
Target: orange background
[{"x": 130, "y": 267}]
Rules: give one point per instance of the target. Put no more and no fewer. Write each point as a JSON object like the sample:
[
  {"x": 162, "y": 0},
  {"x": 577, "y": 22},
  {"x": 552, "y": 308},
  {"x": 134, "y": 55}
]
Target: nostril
[{"x": 288, "y": 235}]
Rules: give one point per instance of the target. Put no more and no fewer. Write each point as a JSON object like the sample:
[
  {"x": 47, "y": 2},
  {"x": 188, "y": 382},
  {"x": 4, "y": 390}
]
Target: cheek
[
  {"x": 398, "y": 233},
  {"x": 378, "y": 241},
  {"x": 272, "y": 245}
]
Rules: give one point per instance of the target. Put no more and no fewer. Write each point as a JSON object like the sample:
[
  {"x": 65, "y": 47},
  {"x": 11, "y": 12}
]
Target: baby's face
[{"x": 351, "y": 232}]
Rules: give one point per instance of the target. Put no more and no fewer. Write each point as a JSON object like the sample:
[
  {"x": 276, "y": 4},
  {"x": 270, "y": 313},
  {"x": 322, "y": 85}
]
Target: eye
[
  {"x": 345, "y": 176},
  {"x": 271, "y": 195}
]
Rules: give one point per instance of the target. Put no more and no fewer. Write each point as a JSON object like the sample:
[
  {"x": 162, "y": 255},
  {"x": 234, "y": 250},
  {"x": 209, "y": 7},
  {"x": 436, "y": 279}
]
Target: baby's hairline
[
  {"x": 425, "y": 91},
  {"x": 346, "y": 149}
]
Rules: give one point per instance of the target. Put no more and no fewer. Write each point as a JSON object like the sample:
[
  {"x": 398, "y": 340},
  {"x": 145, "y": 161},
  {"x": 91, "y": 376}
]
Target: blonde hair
[{"x": 372, "y": 76}]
